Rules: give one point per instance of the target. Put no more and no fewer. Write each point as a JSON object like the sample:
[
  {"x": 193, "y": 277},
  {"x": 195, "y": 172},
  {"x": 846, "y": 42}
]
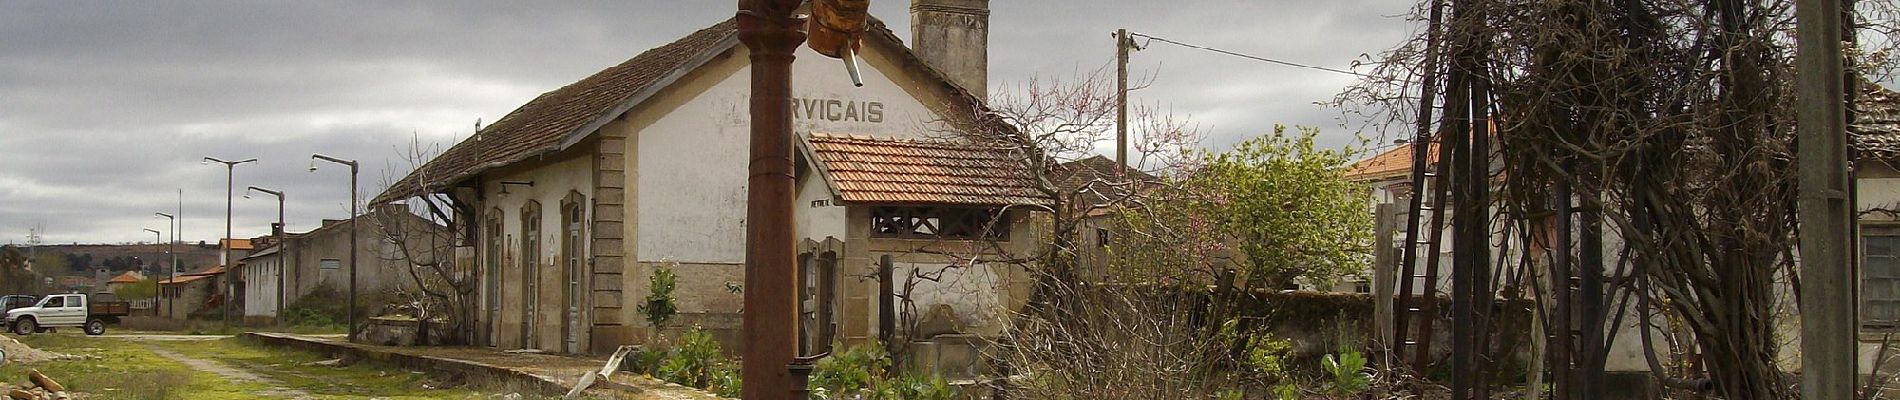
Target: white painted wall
[
  {"x": 690, "y": 170},
  {"x": 973, "y": 292},
  {"x": 260, "y": 285}
]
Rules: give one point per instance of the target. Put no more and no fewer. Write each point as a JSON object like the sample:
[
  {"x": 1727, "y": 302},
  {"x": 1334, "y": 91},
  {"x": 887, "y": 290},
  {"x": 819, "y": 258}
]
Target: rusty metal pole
[{"x": 772, "y": 32}]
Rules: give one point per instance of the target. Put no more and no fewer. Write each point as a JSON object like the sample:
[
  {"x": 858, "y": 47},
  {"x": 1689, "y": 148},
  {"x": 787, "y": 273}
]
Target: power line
[{"x": 1249, "y": 56}]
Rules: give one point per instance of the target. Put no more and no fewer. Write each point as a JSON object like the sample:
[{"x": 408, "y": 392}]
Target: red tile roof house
[{"x": 582, "y": 192}]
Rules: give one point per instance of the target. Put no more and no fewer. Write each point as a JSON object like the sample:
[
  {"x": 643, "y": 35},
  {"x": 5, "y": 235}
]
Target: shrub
[
  {"x": 1347, "y": 371},
  {"x": 693, "y": 361},
  {"x": 913, "y": 387},
  {"x": 659, "y": 306},
  {"x": 856, "y": 369}
]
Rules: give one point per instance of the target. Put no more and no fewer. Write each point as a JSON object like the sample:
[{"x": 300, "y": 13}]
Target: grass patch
[
  {"x": 116, "y": 369},
  {"x": 293, "y": 368}
]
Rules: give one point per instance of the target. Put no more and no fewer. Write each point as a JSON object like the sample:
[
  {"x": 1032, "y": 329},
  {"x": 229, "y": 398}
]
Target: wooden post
[
  {"x": 1384, "y": 266},
  {"x": 1122, "y": 44},
  {"x": 1829, "y": 294}
]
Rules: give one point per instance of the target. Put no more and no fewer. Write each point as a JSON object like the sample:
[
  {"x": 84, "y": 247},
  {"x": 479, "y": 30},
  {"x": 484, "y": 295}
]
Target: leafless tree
[
  {"x": 424, "y": 233},
  {"x": 1673, "y": 122}
]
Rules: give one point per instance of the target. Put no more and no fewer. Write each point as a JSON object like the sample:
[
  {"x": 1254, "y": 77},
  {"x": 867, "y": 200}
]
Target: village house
[
  {"x": 582, "y": 192},
  {"x": 191, "y": 294},
  {"x": 1095, "y": 192},
  {"x": 281, "y": 274},
  {"x": 202, "y": 292}
]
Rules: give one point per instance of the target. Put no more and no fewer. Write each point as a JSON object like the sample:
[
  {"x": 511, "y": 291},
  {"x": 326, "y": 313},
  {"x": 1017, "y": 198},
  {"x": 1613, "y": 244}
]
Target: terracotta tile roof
[
  {"x": 128, "y": 277},
  {"x": 553, "y": 120},
  {"x": 238, "y": 244},
  {"x": 1391, "y": 164},
  {"x": 862, "y": 169},
  {"x": 1876, "y": 127},
  {"x": 1093, "y": 182},
  {"x": 182, "y": 279}
]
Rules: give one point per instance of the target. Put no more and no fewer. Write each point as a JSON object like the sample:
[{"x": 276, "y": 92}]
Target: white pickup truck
[{"x": 67, "y": 310}]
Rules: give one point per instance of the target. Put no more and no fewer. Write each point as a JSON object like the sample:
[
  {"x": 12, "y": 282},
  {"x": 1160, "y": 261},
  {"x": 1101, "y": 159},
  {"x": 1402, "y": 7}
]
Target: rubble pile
[
  {"x": 21, "y": 353},
  {"x": 44, "y": 388}
]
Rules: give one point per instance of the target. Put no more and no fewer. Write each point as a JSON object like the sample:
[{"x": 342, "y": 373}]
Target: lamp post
[
  {"x": 353, "y": 211},
  {"x": 156, "y": 236},
  {"x": 282, "y": 255},
  {"x": 230, "y": 173},
  {"x": 171, "y": 269}
]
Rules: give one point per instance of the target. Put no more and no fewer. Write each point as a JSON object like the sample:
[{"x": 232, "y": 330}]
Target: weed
[{"x": 1347, "y": 371}]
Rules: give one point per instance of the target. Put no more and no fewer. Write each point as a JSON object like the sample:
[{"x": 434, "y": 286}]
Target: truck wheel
[
  {"x": 95, "y": 327},
  {"x": 25, "y": 326}
]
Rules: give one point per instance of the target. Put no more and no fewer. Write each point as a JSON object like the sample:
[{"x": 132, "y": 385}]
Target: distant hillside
[{"x": 124, "y": 257}]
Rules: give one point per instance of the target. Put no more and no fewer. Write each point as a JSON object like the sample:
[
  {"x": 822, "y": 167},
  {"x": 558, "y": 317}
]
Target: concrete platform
[{"x": 551, "y": 374}]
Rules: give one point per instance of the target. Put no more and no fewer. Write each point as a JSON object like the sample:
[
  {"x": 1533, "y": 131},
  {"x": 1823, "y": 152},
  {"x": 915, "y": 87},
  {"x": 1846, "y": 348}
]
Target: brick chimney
[{"x": 954, "y": 37}]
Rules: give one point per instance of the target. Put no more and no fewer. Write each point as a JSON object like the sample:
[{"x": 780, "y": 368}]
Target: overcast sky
[{"x": 106, "y": 107}]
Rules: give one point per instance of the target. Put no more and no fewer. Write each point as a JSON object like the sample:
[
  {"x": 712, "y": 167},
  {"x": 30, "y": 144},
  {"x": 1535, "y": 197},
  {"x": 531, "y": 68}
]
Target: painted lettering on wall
[{"x": 838, "y": 110}]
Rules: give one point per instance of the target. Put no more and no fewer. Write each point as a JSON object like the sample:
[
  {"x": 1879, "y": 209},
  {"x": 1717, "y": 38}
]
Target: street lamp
[
  {"x": 351, "y": 319},
  {"x": 230, "y": 172},
  {"x": 281, "y": 246},
  {"x": 156, "y": 236},
  {"x": 171, "y": 269}
]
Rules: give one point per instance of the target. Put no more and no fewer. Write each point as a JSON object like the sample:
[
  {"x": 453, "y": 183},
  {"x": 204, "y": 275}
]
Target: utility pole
[
  {"x": 1828, "y": 269},
  {"x": 171, "y": 269},
  {"x": 771, "y": 30},
  {"x": 230, "y": 270},
  {"x": 1122, "y": 45}
]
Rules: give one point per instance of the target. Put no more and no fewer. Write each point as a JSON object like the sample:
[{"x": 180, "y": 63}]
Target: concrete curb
[{"x": 546, "y": 385}]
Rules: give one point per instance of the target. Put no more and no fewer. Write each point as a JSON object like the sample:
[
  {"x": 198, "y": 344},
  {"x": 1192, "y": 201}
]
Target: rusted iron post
[{"x": 772, "y": 32}]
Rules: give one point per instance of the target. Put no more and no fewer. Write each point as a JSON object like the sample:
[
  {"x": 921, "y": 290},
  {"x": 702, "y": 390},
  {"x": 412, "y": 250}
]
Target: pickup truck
[{"x": 67, "y": 310}]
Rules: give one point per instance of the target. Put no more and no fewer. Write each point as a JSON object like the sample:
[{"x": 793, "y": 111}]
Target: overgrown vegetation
[
  {"x": 695, "y": 360},
  {"x": 1666, "y": 124},
  {"x": 864, "y": 372}
]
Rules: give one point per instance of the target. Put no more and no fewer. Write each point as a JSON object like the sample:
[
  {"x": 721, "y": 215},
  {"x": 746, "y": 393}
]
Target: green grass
[
  {"x": 120, "y": 369},
  {"x": 292, "y": 368},
  {"x": 116, "y": 369}
]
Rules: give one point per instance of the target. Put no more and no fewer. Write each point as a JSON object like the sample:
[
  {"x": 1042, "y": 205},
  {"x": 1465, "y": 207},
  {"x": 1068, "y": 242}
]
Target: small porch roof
[{"x": 876, "y": 170}]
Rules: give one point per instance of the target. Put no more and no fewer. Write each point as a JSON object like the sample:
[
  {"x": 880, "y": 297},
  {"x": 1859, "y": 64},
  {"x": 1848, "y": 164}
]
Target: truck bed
[{"x": 110, "y": 309}]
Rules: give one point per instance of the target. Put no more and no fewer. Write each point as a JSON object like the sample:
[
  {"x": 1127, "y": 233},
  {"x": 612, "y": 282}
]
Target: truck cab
[{"x": 65, "y": 310}]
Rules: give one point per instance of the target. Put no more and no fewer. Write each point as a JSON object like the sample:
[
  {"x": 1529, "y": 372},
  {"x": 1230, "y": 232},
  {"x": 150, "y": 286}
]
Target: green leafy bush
[
  {"x": 692, "y": 362},
  {"x": 659, "y": 306},
  {"x": 726, "y": 381},
  {"x": 913, "y": 387},
  {"x": 857, "y": 368},
  {"x": 1348, "y": 372}
]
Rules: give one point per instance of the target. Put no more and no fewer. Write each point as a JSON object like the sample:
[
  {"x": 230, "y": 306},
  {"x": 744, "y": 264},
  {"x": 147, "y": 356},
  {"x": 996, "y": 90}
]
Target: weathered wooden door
[
  {"x": 493, "y": 278},
  {"x": 530, "y": 273},
  {"x": 571, "y": 262}
]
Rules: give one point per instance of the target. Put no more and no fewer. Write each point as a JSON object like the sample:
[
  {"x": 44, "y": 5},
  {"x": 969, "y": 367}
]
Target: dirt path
[{"x": 274, "y": 389}]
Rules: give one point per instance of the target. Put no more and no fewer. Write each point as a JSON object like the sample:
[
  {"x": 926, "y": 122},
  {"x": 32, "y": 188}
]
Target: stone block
[
  {"x": 609, "y": 212},
  {"x": 607, "y": 282},
  {"x": 610, "y": 193},
  {"x": 609, "y": 251},
  {"x": 612, "y": 158},
  {"x": 608, "y": 299},
  {"x": 609, "y": 265}
]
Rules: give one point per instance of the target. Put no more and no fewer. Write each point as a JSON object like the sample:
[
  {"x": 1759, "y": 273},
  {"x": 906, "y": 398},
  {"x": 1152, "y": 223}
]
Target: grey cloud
[{"x": 106, "y": 107}]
